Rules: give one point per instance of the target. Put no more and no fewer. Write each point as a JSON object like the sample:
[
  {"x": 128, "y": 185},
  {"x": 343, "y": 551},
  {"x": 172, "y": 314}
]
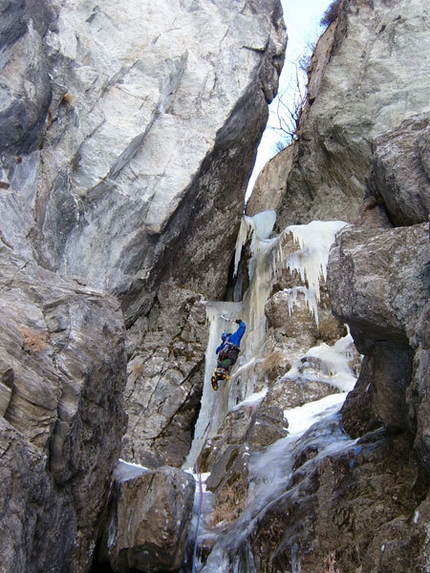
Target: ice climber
[{"x": 227, "y": 352}]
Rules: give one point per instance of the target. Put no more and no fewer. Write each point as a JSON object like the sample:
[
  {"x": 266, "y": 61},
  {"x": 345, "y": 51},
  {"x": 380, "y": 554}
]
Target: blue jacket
[{"x": 234, "y": 338}]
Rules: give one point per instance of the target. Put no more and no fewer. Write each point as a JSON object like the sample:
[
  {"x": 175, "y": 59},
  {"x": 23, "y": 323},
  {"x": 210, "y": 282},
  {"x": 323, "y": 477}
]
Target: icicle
[
  {"x": 257, "y": 228},
  {"x": 246, "y": 227},
  {"x": 310, "y": 300},
  {"x": 315, "y": 240},
  {"x": 309, "y": 260}
]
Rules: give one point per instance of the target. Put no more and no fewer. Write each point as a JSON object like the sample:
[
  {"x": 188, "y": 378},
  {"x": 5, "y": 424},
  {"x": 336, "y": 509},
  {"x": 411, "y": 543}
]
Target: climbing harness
[{"x": 229, "y": 354}]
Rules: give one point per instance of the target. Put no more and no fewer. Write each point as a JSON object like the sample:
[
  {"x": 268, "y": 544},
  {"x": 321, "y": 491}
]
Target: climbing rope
[
  {"x": 199, "y": 513},
  {"x": 196, "y": 466}
]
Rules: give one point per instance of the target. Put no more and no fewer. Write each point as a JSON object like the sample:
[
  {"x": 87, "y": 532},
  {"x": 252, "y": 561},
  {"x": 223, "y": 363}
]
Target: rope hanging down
[{"x": 196, "y": 466}]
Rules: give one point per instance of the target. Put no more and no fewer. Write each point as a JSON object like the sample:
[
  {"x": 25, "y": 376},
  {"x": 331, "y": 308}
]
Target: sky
[{"x": 302, "y": 20}]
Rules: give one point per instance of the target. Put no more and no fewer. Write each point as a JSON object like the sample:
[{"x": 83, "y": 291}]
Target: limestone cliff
[
  {"x": 361, "y": 156},
  {"x": 128, "y": 133}
]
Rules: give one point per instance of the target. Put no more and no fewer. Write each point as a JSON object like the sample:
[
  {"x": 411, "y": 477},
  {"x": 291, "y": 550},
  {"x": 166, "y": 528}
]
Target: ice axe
[{"x": 224, "y": 317}]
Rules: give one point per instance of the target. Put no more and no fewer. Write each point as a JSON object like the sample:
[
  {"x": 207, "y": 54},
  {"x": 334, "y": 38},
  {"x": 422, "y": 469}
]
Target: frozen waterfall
[
  {"x": 303, "y": 249},
  {"x": 214, "y": 405}
]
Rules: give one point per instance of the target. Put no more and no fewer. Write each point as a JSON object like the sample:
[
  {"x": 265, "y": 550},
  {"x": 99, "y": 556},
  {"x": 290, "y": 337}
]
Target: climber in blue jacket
[{"x": 227, "y": 352}]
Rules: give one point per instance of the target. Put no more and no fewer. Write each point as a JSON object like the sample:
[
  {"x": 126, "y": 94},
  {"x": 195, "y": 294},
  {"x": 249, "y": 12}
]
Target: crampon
[{"x": 219, "y": 374}]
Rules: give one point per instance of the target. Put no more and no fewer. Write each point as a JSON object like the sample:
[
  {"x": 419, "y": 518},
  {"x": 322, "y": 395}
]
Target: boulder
[
  {"x": 150, "y": 521},
  {"x": 380, "y": 291},
  {"x": 400, "y": 173}
]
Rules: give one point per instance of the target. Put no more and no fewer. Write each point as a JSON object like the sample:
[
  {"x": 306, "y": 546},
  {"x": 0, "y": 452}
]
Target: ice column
[{"x": 213, "y": 404}]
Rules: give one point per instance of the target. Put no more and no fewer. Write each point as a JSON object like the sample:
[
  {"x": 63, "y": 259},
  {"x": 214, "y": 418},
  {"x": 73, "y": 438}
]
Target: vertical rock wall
[
  {"x": 361, "y": 155},
  {"x": 129, "y": 130},
  {"x": 365, "y": 81},
  {"x": 150, "y": 108},
  {"x": 62, "y": 368}
]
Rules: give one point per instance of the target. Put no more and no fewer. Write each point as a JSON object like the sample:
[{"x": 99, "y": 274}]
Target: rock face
[
  {"x": 145, "y": 151},
  {"x": 400, "y": 171},
  {"x": 378, "y": 285},
  {"x": 129, "y": 131},
  {"x": 350, "y": 508},
  {"x": 141, "y": 137},
  {"x": 165, "y": 374},
  {"x": 361, "y": 156},
  {"x": 62, "y": 362},
  {"x": 150, "y": 521},
  {"x": 366, "y": 81}
]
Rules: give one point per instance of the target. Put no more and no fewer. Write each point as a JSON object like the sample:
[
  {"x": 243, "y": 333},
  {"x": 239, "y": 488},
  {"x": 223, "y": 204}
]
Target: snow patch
[
  {"x": 324, "y": 363},
  {"x": 301, "y": 418},
  {"x": 254, "y": 399},
  {"x": 125, "y": 471}
]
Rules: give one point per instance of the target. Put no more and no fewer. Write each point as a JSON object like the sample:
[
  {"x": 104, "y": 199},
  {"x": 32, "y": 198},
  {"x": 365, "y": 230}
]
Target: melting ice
[
  {"x": 315, "y": 240},
  {"x": 330, "y": 364},
  {"x": 270, "y": 256}
]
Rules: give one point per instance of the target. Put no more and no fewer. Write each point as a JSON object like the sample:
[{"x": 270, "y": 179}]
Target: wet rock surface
[{"x": 351, "y": 509}]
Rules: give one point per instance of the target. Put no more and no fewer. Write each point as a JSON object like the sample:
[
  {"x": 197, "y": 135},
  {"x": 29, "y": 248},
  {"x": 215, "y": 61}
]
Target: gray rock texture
[
  {"x": 361, "y": 155},
  {"x": 25, "y": 87},
  {"x": 141, "y": 137},
  {"x": 378, "y": 286},
  {"x": 365, "y": 81},
  {"x": 128, "y": 133},
  {"x": 62, "y": 358},
  {"x": 165, "y": 375},
  {"x": 150, "y": 521},
  {"x": 400, "y": 174}
]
